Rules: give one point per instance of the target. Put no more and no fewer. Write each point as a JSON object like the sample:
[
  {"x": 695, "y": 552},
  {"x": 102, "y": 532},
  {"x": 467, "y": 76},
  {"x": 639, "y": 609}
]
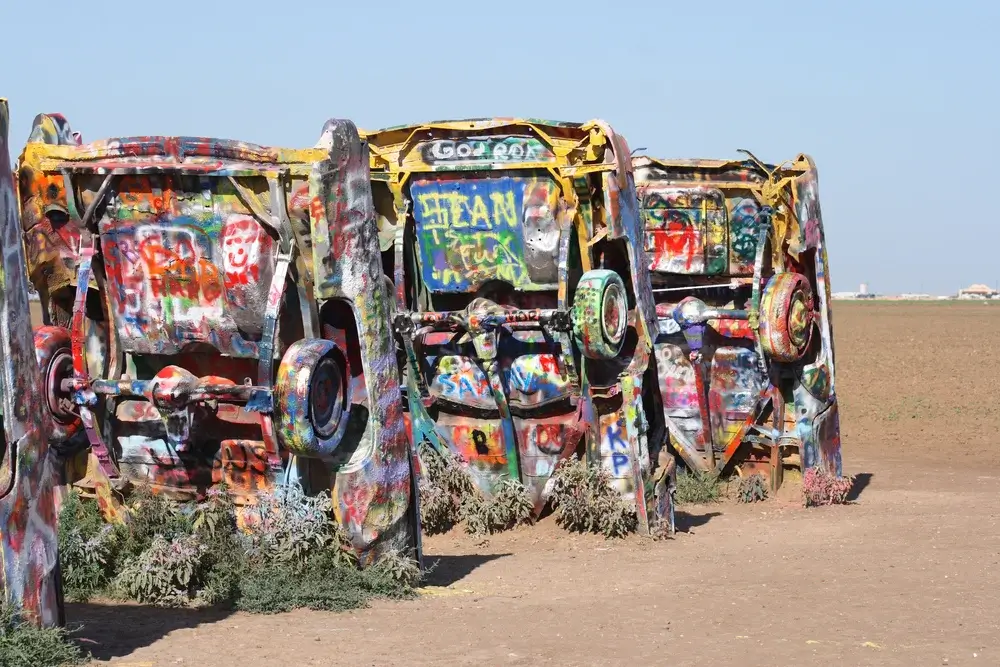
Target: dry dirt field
[{"x": 906, "y": 575}]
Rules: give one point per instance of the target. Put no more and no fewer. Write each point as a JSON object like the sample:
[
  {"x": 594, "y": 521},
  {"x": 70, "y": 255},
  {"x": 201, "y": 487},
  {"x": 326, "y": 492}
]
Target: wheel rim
[
  {"x": 798, "y": 320},
  {"x": 59, "y": 401},
  {"x": 613, "y": 318},
  {"x": 325, "y": 397}
]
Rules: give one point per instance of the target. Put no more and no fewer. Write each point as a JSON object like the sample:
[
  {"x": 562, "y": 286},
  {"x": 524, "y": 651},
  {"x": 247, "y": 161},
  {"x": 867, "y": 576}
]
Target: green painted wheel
[{"x": 600, "y": 314}]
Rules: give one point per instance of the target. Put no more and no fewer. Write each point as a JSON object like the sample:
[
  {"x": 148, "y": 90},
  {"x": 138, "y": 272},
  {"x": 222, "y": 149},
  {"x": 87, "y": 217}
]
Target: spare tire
[
  {"x": 787, "y": 317},
  {"x": 600, "y": 314}
]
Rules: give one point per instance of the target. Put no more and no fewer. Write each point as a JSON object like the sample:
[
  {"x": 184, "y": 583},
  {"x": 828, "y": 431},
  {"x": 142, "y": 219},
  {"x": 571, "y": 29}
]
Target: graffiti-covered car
[
  {"x": 523, "y": 309},
  {"x": 744, "y": 352},
  {"x": 29, "y": 564},
  {"x": 217, "y": 311}
]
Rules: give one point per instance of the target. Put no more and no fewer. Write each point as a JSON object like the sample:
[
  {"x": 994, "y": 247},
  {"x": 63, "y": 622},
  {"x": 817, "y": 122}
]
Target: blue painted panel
[{"x": 470, "y": 231}]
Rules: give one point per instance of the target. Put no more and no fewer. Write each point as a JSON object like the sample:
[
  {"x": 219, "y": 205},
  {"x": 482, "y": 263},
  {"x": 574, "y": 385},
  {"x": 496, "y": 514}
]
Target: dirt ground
[{"x": 906, "y": 575}]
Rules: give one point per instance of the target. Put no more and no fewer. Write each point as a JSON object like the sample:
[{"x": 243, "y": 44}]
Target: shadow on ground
[
  {"x": 684, "y": 522},
  {"x": 114, "y": 630},
  {"x": 449, "y": 569},
  {"x": 861, "y": 482}
]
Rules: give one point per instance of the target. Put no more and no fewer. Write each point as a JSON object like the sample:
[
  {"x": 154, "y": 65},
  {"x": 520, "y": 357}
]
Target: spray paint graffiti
[
  {"x": 686, "y": 230},
  {"x": 460, "y": 379},
  {"x": 246, "y": 249},
  {"x": 733, "y": 390},
  {"x": 218, "y": 264},
  {"x": 485, "y": 150},
  {"x": 699, "y": 230},
  {"x": 719, "y": 372},
  {"x": 474, "y": 230},
  {"x": 485, "y": 307},
  {"x": 54, "y": 129},
  {"x": 612, "y": 434},
  {"x": 469, "y": 228},
  {"x": 29, "y": 573},
  {"x": 744, "y": 227}
]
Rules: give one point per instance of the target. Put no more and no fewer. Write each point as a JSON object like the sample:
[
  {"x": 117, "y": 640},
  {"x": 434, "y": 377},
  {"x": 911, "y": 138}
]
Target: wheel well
[
  {"x": 339, "y": 324},
  {"x": 613, "y": 255}
]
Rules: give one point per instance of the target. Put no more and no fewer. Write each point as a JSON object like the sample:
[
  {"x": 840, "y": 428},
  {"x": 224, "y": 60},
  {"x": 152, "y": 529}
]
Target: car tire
[
  {"x": 311, "y": 398},
  {"x": 786, "y": 317},
  {"x": 600, "y": 314},
  {"x": 54, "y": 354}
]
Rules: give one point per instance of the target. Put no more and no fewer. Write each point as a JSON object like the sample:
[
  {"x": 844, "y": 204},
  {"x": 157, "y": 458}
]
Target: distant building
[
  {"x": 978, "y": 292},
  {"x": 862, "y": 293}
]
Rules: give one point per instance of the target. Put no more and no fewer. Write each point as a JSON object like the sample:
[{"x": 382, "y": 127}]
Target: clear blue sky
[{"x": 896, "y": 101}]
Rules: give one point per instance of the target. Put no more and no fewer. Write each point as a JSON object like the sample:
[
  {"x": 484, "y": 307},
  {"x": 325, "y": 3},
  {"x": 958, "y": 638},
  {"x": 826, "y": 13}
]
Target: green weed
[
  {"x": 752, "y": 489},
  {"x": 696, "y": 488},
  {"x": 194, "y": 554},
  {"x": 509, "y": 506},
  {"x": 24, "y": 644},
  {"x": 586, "y": 502}
]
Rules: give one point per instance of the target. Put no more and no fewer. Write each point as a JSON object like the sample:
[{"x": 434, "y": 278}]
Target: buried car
[
  {"x": 744, "y": 352},
  {"x": 214, "y": 314},
  {"x": 29, "y": 564},
  {"x": 523, "y": 309}
]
